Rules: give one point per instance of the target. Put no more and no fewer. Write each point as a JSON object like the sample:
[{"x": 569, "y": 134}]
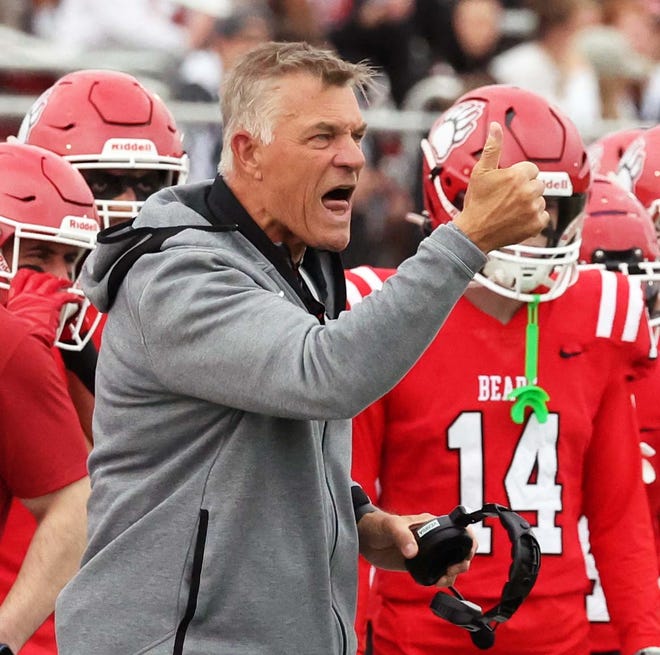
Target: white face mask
[
  {"x": 524, "y": 272},
  {"x": 520, "y": 277}
]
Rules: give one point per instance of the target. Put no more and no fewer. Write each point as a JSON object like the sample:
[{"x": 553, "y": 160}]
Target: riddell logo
[
  {"x": 79, "y": 224},
  {"x": 556, "y": 183},
  {"x": 113, "y": 147}
]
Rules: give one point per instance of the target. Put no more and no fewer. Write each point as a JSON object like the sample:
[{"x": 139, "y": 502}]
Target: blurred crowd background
[{"x": 597, "y": 59}]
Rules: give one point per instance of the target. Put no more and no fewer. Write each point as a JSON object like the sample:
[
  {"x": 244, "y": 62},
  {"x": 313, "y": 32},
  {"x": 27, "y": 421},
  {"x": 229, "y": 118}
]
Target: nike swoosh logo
[{"x": 567, "y": 354}]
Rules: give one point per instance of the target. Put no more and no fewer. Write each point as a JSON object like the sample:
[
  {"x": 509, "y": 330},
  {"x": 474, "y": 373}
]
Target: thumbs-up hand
[{"x": 503, "y": 206}]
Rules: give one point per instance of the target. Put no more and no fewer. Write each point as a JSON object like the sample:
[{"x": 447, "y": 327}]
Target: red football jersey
[
  {"x": 646, "y": 392},
  {"x": 602, "y": 636},
  {"x": 444, "y": 436},
  {"x": 42, "y": 448},
  {"x": 15, "y": 541}
]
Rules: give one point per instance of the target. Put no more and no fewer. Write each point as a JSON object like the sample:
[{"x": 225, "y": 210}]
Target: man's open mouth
[{"x": 338, "y": 198}]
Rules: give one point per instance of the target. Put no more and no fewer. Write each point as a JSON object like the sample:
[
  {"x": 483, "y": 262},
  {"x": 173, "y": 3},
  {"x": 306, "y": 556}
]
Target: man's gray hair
[{"x": 247, "y": 98}]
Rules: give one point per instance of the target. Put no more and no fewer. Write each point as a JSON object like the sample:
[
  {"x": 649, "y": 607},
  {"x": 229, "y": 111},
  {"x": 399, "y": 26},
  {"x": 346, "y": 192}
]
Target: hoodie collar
[{"x": 323, "y": 267}]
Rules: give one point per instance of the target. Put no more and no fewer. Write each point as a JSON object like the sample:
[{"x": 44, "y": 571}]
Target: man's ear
[{"x": 246, "y": 150}]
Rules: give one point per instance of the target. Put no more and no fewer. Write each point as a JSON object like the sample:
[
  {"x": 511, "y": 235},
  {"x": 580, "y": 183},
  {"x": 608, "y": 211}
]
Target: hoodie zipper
[
  {"x": 335, "y": 536},
  {"x": 195, "y": 578}
]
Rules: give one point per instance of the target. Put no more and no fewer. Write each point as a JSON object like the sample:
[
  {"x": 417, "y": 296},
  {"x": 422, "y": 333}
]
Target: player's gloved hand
[
  {"x": 650, "y": 650},
  {"x": 37, "y": 298}
]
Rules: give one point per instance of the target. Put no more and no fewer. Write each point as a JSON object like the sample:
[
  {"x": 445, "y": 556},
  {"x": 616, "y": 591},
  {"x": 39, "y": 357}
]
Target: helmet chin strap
[{"x": 530, "y": 395}]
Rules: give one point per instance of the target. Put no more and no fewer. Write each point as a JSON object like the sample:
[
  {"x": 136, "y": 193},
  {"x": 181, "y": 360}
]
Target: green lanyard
[{"x": 530, "y": 395}]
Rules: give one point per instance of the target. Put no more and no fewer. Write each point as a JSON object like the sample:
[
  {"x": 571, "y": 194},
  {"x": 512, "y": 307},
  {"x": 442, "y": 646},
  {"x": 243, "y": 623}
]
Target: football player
[
  {"x": 118, "y": 134},
  {"x": 605, "y": 152},
  {"x": 618, "y": 235},
  {"x": 125, "y": 143},
  {"x": 639, "y": 168},
  {"x": 47, "y": 222},
  {"x": 521, "y": 400}
]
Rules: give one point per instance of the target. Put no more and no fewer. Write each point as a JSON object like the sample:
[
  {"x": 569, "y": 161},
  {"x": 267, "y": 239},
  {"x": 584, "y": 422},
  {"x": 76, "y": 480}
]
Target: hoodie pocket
[{"x": 196, "y": 574}]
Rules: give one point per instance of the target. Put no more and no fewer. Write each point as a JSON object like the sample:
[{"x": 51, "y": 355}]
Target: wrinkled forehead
[{"x": 307, "y": 99}]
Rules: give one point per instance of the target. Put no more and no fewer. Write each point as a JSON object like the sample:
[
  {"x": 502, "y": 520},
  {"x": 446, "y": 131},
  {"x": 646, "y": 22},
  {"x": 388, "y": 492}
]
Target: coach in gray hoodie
[{"x": 222, "y": 517}]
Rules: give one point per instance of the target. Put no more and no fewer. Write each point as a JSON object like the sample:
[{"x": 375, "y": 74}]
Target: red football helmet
[
  {"x": 44, "y": 198},
  {"x": 102, "y": 120},
  {"x": 618, "y": 231},
  {"x": 619, "y": 235},
  {"x": 605, "y": 153},
  {"x": 639, "y": 171},
  {"x": 534, "y": 131}
]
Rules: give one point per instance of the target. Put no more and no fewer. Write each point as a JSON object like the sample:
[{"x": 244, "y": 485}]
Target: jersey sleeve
[
  {"x": 362, "y": 280},
  {"x": 42, "y": 447},
  {"x": 645, "y": 392},
  {"x": 622, "y": 318},
  {"x": 368, "y": 430},
  {"x": 621, "y": 534}
]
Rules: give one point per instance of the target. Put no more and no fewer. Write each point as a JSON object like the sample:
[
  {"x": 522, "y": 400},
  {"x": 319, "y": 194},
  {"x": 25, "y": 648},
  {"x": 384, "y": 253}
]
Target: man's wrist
[
  {"x": 367, "y": 508},
  {"x": 464, "y": 247},
  {"x": 361, "y": 503}
]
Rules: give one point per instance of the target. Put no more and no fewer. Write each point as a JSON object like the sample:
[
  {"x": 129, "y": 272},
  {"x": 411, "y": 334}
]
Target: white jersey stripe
[
  {"x": 367, "y": 274},
  {"x": 653, "y": 353},
  {"x": 634, "y": 312},
  {"x": 607, "y": 305},
  {"x": 353, "y": 295}
]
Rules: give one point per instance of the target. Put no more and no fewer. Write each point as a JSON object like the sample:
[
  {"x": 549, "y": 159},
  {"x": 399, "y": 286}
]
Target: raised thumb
[{"x": 490, "y": 156}]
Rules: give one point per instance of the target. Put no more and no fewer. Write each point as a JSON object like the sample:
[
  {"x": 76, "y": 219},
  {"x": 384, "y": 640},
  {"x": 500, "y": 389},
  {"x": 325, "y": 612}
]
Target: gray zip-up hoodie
[{"x": 221, "y": 518}]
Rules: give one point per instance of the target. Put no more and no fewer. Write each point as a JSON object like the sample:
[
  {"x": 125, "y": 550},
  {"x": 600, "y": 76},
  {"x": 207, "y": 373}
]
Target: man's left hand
[{"x": 386, "y": 541}]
